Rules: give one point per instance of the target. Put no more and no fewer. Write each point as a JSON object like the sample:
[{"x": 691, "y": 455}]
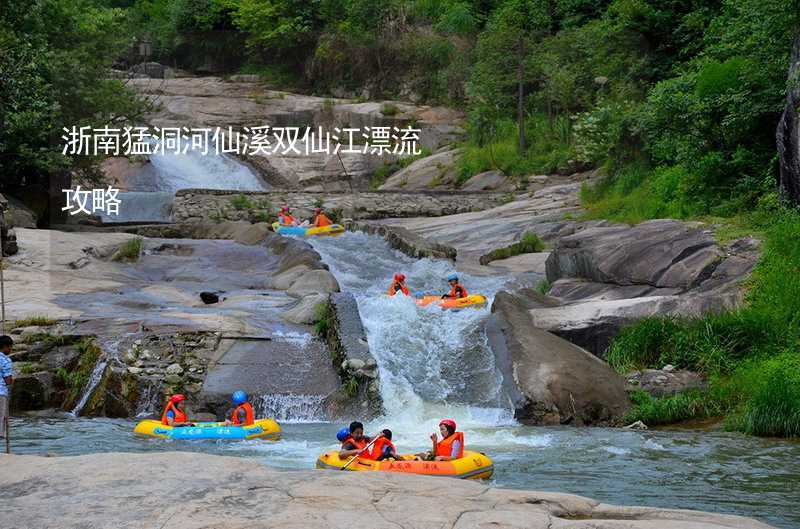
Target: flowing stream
[{"x": 436, "y": 364}]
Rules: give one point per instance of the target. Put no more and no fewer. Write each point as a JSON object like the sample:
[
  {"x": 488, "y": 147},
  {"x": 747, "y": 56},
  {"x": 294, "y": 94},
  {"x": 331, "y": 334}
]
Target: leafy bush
[
  {"x": 529, "y": 243},
  {"x": 241, "y": 202},
  {"x": 128, "y": 251},
  {"x": 543, "y": 287},
  {"x": 676, "y": 408}
]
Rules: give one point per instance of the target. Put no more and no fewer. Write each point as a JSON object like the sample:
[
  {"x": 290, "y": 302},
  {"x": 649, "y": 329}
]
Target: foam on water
[{"x": 433, "y": 363}]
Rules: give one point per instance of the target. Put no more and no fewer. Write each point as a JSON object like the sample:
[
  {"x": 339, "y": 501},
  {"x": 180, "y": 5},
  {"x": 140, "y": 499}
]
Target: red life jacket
[
  {"x": 286, "y": 219},
  {"x": 179, "y": 415},
  {"x": 445, "y": 446},
  {"x": 249, "y": 416},
  {"x": 377, "y": 448},
  {"x": 395, "y": 286},
  {"x": 454, "y": 292}
]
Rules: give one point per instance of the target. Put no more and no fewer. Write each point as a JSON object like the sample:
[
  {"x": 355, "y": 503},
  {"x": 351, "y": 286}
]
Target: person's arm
[{"x": 7, "y": 372}]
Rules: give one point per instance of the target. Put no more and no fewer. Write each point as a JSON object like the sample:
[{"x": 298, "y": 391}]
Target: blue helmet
[
  {"x": 452, "y": 277},
  {"x": 239, "y": 397},
  {"x": 343, "y": 434}
]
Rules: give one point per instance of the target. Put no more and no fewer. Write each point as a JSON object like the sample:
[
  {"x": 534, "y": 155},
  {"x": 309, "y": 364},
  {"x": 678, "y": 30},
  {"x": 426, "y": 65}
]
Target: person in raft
[
  {"x": 398, "y": 285},
  {"x": 457, "y": 291},
  {"x": 353, "y": 440},
  {"x": 243, "y": 414},
  {"x": 320, "y": 219},
  {"x": 285, "y": 217},
  {"x": 450, "y": 447},
  {"x": 174, "y": 413},
  {"x": 384, "y": 448}
]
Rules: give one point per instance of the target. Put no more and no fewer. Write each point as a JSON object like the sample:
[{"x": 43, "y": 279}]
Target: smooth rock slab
[{"x": 178, "y": 490}]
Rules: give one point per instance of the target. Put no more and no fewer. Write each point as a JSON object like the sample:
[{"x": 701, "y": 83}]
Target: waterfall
[
  {"x": 152, "y": 190},
  {"x": 150, "y": 399},
  {"x": 290, "y": 408},
  {"x": 169, "y": 172},
  {"x": 432, "y": 363},
  {"x": 91, "y": 385}
]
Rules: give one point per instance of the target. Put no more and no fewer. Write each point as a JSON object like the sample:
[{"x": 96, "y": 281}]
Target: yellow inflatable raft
[
  {"x": 473, "y": 301},
  {"x": 262, "y": 429},
  {"x": 306, "y": 231},
  {"x": 474, "y": 465}
]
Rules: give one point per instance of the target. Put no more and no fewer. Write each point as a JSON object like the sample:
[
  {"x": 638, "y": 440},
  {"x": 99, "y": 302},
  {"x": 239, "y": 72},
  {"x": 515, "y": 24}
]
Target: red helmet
[
  {"x": 177, "y": 398},
  {"x": 399, "y": 277},
  {"x": 448, "y": 422},
  {"x": 317, "y": 210},
  {"x": 285, "y": 208}
]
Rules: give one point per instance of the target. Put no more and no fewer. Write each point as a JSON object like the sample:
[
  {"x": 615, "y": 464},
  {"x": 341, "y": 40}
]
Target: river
[{"x": 436, "y": 364}]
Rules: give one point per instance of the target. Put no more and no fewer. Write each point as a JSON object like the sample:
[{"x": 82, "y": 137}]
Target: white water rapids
[{"x": 432, "y": 363}]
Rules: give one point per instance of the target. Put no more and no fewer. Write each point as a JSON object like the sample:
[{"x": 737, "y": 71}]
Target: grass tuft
[
  {"x": 129, "y": 251},
  {"x": 530, "y": 243}
]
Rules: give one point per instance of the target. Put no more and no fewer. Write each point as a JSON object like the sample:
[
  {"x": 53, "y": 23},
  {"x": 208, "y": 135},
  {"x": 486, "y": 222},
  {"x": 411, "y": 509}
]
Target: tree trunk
[
  {"x": 788, "y": 133},
  {"x": 521, "y": 94}
]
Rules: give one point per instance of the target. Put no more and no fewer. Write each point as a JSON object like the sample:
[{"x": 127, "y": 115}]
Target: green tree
[
  {"x": 54, "y": 60},
  {"x": 502, "y": 70}
]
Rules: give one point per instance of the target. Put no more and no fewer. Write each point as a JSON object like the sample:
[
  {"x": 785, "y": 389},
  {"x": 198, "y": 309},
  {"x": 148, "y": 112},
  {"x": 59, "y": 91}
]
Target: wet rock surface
[
  {"x": 155, "y": 333},
  {"x": 407, "y": 241},
  {"x": 665, "y": 382},
  {"x": 235, "y": 493},
  {"x": 788, "y": 132},
  {"x": 554, "y": 381}
]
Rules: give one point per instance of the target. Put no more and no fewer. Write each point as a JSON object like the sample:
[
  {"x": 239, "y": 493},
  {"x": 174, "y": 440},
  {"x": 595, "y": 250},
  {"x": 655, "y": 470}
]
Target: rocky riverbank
[
  {"x": 152, "y": 490},
  {"x": 201, "y": 309}
]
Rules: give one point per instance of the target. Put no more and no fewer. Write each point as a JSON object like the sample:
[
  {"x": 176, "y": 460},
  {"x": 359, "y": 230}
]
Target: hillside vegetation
[{"x": 676, "y": 100}]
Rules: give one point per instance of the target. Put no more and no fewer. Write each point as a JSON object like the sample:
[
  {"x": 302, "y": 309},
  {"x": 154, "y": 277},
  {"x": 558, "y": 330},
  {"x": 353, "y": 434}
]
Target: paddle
[
  {"x": 8, "y": 436},
  {"x": 360, "y": 452}
]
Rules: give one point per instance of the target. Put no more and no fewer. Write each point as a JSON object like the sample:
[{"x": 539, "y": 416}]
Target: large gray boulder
[
  {"x": 661, "y": 253},
  {"x": 236, "y": 493},
  {"x": 425, "y": 173},
  {"x": 608, "y": 276},
  {"x": 788, "y": 133},
  {"x": 554, "y": 381}
]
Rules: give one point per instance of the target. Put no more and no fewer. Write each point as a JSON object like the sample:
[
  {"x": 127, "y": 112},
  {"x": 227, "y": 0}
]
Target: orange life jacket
[
  {"x": 321, "y": 220},
  {"x": 249, "y": 416},
  {"x": 377, "y": 448},
  {"x": 360, "y": 444},
  {"x": 179, "y": 415},
  {"x": 286, "y": 219},
  {"x": 454, "y": 291},
  {"x": 445, "y": 446},
  {"x": 395, "y": 286}
]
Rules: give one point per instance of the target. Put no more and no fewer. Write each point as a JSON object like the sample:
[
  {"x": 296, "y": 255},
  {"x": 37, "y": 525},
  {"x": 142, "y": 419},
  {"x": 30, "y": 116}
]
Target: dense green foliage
[{"x": 54, "y": 56}]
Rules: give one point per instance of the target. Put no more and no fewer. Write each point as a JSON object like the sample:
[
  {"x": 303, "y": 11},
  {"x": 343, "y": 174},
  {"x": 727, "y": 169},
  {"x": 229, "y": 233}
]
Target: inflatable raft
[
  {"x": 305, "y": 231},
  {"x": 474, "y": 301},
  {"x": 262, "y": 429},
  {"x": 474, "y": 465}
]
